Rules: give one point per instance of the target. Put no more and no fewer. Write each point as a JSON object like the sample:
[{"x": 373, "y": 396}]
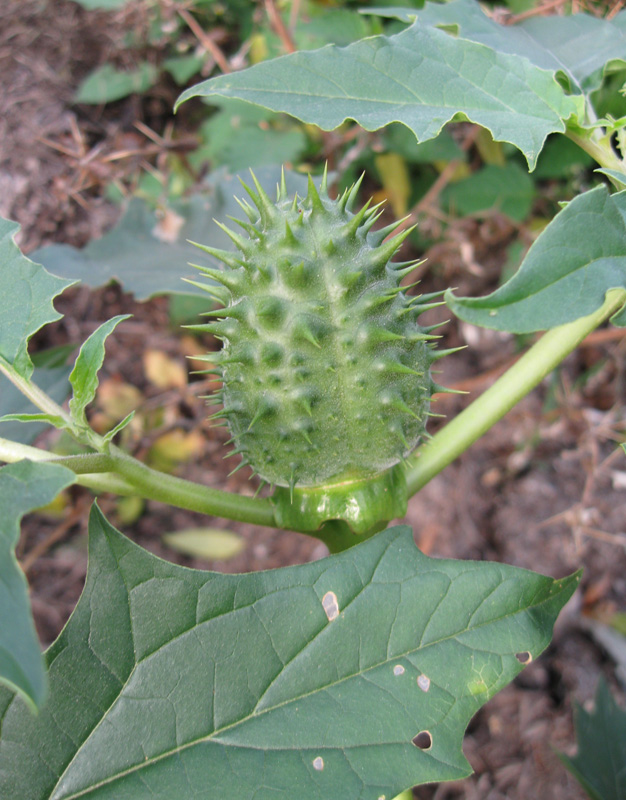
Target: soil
[{"x": 544, "y": 489}]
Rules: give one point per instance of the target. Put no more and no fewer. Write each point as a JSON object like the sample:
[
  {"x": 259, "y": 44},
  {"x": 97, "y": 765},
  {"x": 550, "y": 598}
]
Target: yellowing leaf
[
  {"x": 175, "y": 447},
  {"x": 394, "y": 175},
  {"x": 209, "y": 543},
  {"x": 162, "y": 371}
]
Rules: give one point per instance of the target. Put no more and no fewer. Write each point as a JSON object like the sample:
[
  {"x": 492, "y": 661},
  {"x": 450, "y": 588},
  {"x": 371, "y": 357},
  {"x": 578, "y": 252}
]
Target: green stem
[
  {"x": 603, "y": 155},
  {"x": 37, "y": 397},
  {"x": 516, "y": 383},
  {"x": 10, "y": 452}
]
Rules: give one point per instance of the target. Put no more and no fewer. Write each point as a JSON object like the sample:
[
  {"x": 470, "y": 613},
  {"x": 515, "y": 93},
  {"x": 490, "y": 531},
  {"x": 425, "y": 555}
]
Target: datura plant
[{"x": 353, "y": 677}]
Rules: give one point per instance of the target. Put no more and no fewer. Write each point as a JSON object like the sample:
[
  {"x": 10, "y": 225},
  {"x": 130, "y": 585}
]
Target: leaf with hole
[
  {"x": 566, "y": 273},
  {"x": 24, "y": 486},
  {"x": 421, "y": 77},
  {"x": 350, "y": 677}
]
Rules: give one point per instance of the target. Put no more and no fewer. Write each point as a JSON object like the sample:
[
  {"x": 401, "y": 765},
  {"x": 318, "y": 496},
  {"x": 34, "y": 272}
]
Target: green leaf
[
  {"x": 53, "y": 381},
  {"x": 23, "y": 487},
  {"x": 618, "y": 178},
  {"x": 600, "y": 764},
  {"x": 235, "y": 138},
  {"x": 84, "y": 377},
  {"x": 421, "y": 77},
  {"x": 508, "y": 189},
  {"x": 315, "y": 679},
  {"x": 566, "y": 273},
  {"x": 26, "y": 301},
  {"x": 579, "y": 46},
  {"x": 139, "y": 253},
  {"x": 182, "y": 68},
  {"x": 106, "y": 84}
]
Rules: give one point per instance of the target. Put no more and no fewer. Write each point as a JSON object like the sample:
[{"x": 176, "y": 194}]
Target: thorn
[
  {"x": 350, "y": 228},
  {"x": 262, "y": 201},
  {"x": 433, "y": 414},
  {"x": 386, "y": 251},
  {"x": 282, "y": 191},
  {"x": 324, "y": 183},
  {"x": 372, "y": 218},
  {"x": 237, "y": 468},
  {"x": 245, "y": 245},
  {"x": 437, "y": 388},
  {"x": 349, "y": 196},
  {"x": 378, "y": 237},
  {"x": 397, "y": 366},
  {"x": 399, "y": 404},
  {"x": 313, "y": 197},
  {"x": 252, "y": 231},
  {"x": 216, "y": 293},
  {"x": 262, "y": 483},
  {"x": 266, "y": 407},
  {"x": 292, "y": 484},
  {"x": 402, "y": 268},
  {"x": 225, "y": 256},
  {"x": 289, "y": 239},
  {"x": 235, "y": 452},
  {"x": 247, "y": 210},
  {"x": 437, "y": 354},
  {"x": 303, "y": 329}
]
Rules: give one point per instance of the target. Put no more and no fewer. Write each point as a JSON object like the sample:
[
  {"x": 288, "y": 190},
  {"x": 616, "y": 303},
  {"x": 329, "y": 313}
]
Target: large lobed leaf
[
  {"x": 421, "y": 77},
  {"x": 579, "y": 46},
  {"x": 26, "y": 300},
  {"x": 566, "y": 273},
  {"x": 148, "y": 250},
  {"x": 24, "y": 486},
  {"x": 308, "y": 681}
]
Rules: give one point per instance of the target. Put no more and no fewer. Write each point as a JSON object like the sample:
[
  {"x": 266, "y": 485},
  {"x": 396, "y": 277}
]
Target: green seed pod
[{"x": 325, "y": 371}]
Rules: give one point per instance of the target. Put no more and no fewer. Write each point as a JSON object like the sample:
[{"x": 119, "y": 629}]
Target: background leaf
[
  {"x": 135, "y": 254},
  {"x": 106, "y": 84},
  {"x": 508, "y": 189},
  {"x": 53, "y": 381},
  {"x": 600, "y": 764},
  {"x": 23, "y": 487},
  {"x": 578, "y": 45},
  {"x": 26, "y": 300},
  {"x": 566, "y": 273},
  {"x": 312, "y": 679},
  {"x": 421, "y": 77}
]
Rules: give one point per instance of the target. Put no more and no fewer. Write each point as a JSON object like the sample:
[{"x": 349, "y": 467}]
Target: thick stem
[
  {"x": 120, "y": 473},
  {"x": 492, "y": 405},
  {"x": 10, "y": 452}
]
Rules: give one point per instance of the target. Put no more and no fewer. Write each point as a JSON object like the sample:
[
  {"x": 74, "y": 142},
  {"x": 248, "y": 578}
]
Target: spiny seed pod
[{"x": 325, "y": 372}]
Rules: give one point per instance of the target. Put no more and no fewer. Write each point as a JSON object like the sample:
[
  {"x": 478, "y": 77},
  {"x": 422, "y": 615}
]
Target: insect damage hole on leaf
[
  {"x": 423, "y": 740},
  {"x": 330, "y": 605},
  {"x": 423, "y": 681},
  {"x": 318, "y": 763},
  {"x": 524, "y": 657}
]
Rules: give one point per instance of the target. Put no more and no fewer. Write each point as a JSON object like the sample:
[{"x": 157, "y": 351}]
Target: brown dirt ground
[{"x": 543, "y": 490}]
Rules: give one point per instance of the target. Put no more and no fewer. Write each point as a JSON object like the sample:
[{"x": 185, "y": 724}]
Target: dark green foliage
[{"x": 326, "y": 374}]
